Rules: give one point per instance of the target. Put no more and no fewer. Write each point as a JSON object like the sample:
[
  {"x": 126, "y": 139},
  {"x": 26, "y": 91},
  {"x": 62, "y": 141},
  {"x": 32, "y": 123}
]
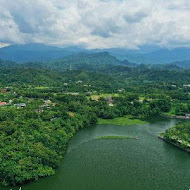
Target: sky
[{"x": 96, "y": 23}]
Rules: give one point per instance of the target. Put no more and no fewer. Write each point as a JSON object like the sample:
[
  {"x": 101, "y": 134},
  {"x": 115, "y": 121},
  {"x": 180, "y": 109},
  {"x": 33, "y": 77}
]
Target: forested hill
[
  {"x": 98, "y": 68},
  {"x": 89, "y": 61},
  {"x": 86, "y": 61},
  {"x": 30, "y": 76},
  {"x": 102, "y": 76}
]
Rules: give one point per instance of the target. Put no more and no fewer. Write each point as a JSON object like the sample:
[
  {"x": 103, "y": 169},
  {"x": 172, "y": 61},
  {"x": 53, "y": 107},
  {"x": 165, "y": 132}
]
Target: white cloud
[{"x": 96, "y": 23}]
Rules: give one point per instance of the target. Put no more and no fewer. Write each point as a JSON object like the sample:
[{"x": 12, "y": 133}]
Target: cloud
[{"x": 96, "y": 23}]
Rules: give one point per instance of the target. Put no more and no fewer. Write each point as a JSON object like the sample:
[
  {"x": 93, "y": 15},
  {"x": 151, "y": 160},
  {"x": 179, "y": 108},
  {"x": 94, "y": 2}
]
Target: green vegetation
[
  {"x": 121, "y": 121},
  {"x": 179, "y": 135},
  {"x": 42, "y": 105},
  {"x": 114, "y": 137},
  {"x": 32, "y": 141}
]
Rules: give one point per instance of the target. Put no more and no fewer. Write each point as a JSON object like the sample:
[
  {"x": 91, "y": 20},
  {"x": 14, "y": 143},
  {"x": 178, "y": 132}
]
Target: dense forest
[{"x": 43, "y": 104}]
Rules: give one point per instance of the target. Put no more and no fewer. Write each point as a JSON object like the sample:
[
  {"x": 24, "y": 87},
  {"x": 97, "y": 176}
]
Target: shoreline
[
  {"x": 176, "y": 117},
  {"x": 177, "y": 145}
]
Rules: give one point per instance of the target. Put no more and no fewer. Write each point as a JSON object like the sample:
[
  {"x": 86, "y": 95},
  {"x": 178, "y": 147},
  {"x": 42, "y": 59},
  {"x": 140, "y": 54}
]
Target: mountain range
[{"x": 144, "y": 55}]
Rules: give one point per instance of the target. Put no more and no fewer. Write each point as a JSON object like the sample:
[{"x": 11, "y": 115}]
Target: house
[
  {"x": 73, "y": 93},
  {"x": 39, "y": 110},
  {"x": 3, "y": 90},
  {"x": 88, "y": 93},
  {"x": 20, "y": 105},
  {"x": 187, "y": 116},
  {"x": 10, "y": 101},
  {"x": 46, "y": 106},
  {"x": 3, "y": 103},
  {"x": 186, "y": 85},
  {"x": 79, "y": 81},
  {"x": 47, "y": 101},
  {"x": 110, "y": 101},
  {"x": 121, "y": 90}
]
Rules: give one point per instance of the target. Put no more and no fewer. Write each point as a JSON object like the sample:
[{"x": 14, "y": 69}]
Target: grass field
[{"x": 127, "y": 120}]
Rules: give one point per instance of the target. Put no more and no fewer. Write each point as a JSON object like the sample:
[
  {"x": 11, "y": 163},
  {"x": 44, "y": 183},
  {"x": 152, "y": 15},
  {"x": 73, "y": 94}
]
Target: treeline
[{"x": 129, "y": 104}]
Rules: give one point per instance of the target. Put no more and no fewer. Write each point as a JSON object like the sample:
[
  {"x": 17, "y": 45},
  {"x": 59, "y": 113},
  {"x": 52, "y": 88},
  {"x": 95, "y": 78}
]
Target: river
[{"x": 114, "y": 164}]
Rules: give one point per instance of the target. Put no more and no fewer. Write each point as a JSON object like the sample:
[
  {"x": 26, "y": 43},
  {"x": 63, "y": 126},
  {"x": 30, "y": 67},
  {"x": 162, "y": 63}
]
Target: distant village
[{"x": 47, "y": 104}]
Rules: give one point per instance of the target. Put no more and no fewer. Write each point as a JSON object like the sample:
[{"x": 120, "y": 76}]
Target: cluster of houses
[
  {"x": 47, "y": 105},
  {"x": 109, "y": 100},
  {"x": 19, "y": 105}
]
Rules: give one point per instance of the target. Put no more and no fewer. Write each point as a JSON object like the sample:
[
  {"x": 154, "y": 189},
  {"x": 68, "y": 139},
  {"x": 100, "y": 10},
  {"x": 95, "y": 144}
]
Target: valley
[{"x": 44, "y": 104}]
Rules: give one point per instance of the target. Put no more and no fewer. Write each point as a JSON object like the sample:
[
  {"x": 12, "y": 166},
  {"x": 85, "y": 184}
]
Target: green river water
[{"x": 114, "y": 164}]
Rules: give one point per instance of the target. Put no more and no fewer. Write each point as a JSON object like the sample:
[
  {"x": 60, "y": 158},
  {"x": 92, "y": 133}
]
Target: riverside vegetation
[
  {"x": 42, "y": 105},
  {"x": 178, "y": 135}
]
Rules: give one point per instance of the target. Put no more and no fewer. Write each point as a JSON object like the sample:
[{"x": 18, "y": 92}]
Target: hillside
[
  {"x": 84, "y": 61},
  {"x": 30, "y": 76}
]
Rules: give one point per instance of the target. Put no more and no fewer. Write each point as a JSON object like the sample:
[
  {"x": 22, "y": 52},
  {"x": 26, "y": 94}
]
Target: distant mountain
[
  {"x": 168, "y": 56},
  {"x": 101, "y": 61},
  {"x": 36, "y": 52},
  {"x": 160, "y": 56},
  {"x": 182, "y": 64},
  {"x": 43, "y": 53}
]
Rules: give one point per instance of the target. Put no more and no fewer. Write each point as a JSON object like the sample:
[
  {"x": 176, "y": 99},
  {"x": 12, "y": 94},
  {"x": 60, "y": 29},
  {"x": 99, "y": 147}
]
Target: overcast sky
[{"x": 96, "y": 23}]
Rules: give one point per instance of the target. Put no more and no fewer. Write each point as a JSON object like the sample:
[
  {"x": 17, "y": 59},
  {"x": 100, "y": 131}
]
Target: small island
[
  {"x": 179, "y": 136},
  {"x": 115, "y": 137}
]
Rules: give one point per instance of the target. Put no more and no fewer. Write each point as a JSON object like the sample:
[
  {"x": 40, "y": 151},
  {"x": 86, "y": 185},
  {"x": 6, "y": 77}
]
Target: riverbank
[
  {"x": 126, "y": 120},
  {"x": 176, "y": 144}
]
